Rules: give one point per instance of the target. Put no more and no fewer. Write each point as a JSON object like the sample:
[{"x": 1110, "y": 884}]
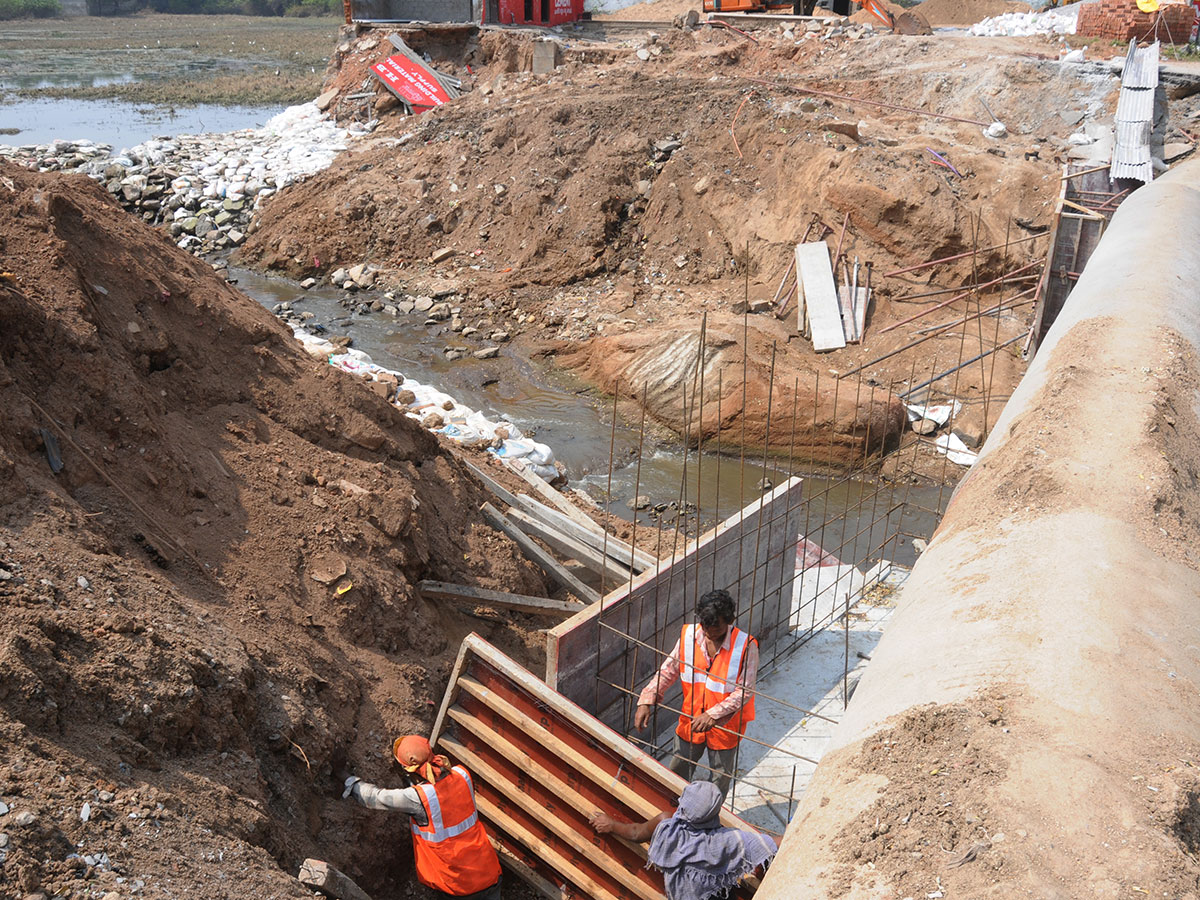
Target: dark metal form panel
[
  {"x": 598, "y": 656},
  {"x": 540, "y": 766}
]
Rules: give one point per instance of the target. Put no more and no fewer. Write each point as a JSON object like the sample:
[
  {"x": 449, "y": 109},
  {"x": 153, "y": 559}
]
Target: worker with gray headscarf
[{"x": 698, "y": 856}]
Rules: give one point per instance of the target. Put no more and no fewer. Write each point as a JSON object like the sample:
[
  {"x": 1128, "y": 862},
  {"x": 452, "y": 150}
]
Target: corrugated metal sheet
[
  {"x": 1141, "y": 66},
  {"x": 1135, "y": 114}
]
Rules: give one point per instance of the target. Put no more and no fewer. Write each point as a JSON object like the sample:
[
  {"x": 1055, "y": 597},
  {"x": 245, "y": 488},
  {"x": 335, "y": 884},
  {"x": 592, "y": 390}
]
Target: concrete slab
[{"x": 811, "y": 678}]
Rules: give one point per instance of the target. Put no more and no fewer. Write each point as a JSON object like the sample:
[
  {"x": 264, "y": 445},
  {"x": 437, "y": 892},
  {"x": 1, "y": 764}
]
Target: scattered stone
[
  {"x": 432, "y": 421},
  {"x": 406, "y": 306},
  {"x": 764, "y": 484},
  {"x": 701, "y": 186},
  {"x": 338, "y": 277},
  {"x": 325, "y": 100},
  {"x": 920, "y": 545},
  {"x": 925, "y": 426},
  {"x": 3, "y": 805},
  {"x": 308, "y": 284},
  {"x": 83, "y": 583},
  {"x": 441, "y": 255},
  {"x": 641, "y": 501},
  {"x": 85, "y": 813},
  {"x": 643, "y": 54},
  {"x": 500, "y": 336},
  {"x": 24, "y": 818},
  {"x": 5, "y": 575},
  {"x": 487, "y": 353},
  {"x": 439, "y": 312},
  {"x": 406, "y": 397},
  {"x": 969, "y": 433},
  {"x": 761, "y": 305},
  {"x": 107, "y": 796}
]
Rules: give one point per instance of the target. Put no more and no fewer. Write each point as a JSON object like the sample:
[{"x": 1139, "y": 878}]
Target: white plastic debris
[
  {"x": 996, "y": 130},
  {"x": 955, "y": 450},
  {"x": 462, "y": 423},
  {"x": 85, "y": 813}
]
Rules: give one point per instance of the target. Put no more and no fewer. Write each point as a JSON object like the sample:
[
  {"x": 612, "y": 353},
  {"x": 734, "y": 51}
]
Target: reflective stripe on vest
[
  {"x": 690, "y": 673},
  {"x": 436, "y": 831}
]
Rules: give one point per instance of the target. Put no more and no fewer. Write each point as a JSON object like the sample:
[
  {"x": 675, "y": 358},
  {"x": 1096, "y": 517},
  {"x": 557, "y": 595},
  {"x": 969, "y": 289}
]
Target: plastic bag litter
[
  {"x": 955, "y": 450},
  {"x": 940, "y": 414}
]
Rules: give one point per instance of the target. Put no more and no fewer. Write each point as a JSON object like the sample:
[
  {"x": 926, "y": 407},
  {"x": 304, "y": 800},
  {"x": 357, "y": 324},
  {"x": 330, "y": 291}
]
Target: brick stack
[{"x": 1121, "y": 20}]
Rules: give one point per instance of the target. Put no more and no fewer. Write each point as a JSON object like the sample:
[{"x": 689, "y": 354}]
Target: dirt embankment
[
  {"x": 616, "y": 200},
  {"x": 216, "y": 590}
]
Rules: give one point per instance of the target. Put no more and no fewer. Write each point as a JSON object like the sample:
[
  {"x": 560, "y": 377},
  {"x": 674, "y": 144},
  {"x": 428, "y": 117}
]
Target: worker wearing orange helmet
[{"x": 453, "y": 854}]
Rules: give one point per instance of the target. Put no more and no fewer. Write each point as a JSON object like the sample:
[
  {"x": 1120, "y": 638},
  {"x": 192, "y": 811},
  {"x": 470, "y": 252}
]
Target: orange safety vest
[
  {"x": 452, "y": 851},
  {"x": 705, "y": 688}
]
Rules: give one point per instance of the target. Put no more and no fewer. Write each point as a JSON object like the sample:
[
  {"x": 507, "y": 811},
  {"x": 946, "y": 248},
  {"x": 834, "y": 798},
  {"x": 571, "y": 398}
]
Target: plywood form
[
  {"x": 540, "y": 766},
  {"x": 814, "y": 275}
]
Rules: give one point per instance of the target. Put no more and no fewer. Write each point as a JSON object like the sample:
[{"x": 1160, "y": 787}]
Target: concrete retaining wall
[{"x": 1063, "y": 585}]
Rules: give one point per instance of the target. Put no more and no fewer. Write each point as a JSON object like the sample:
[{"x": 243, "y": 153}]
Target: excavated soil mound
[
  {"x": 966, "y": 12},
  {"x": 208, "y": 545}
]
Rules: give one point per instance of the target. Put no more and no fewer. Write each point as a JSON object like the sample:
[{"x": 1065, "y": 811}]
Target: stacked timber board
[
  {"x": 831, "y": 317},
  {"x": 541, "y": 766}
]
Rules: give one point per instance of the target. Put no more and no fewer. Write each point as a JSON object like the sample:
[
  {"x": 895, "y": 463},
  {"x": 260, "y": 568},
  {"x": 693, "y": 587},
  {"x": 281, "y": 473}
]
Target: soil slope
[{"x": 215, "y": 592}]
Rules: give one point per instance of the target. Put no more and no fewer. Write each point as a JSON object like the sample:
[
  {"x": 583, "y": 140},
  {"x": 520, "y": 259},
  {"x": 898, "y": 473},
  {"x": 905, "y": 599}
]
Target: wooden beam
[
  {"x": 540, "y": 485},
  {"x": 545, "y": 886},
  {"x": 569, "y": 547},
  {"x": 593, "y": 535},
  {"x": 329, "y": 881},
  {"x": 538, "y": 847},
  {"x": 527, "y": 763},
  {"x": 536, "y": 554},
  {"x": 578, "y": 842},
  {"x": 501, "y": 493},
  {"x": 535, "y": 606},
  {"x": 554, "y": 744}
]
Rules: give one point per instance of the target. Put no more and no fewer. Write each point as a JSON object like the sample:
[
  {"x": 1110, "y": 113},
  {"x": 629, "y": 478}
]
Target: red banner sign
[{"x": 410, "y": 81}]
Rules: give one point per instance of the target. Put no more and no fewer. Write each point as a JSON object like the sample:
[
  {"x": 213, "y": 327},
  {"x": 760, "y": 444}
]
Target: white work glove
[{"x": 349, "y": 785}]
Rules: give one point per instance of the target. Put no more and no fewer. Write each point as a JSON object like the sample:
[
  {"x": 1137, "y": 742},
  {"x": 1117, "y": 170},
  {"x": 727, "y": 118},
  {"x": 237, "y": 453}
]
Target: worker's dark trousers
[
  {"x": 491, "y": 893},
  {"x": 685, "y": 755}
]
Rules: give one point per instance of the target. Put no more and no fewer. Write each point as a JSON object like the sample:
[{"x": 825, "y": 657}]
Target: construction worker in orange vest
[
  {"x": 716, "y": 663},
  {"x": 450, "y": 846}
]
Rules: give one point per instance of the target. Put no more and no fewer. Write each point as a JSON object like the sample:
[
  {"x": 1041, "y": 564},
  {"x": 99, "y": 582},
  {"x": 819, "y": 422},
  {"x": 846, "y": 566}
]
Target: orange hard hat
[{"x": 412, "y": 751}]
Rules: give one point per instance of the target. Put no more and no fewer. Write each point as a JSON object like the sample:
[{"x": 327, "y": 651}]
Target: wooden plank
[
  {"x": 801, "y": 306},
  {"x": 537, "y": 606},
  {"x": 846, "y": 308},
  {"x": 329, "y": 881},
  {"x": 815, "y": 274},
  {"x": 540, "y": 485},
  {"x": 555, "y": 824},
  {"x": 538, "y": 848},
  {"x": 555, "y": 745},
  {"x": 544, "y": 886},
  {"x": 526, "y": 763},
  {"x": 569, "y": 547},
  {"x": 537, "y": 555},
  {"x": 501, "y": 493},
  {"x": 630, "y": 557},
  {"x": 861, "y": 303}
]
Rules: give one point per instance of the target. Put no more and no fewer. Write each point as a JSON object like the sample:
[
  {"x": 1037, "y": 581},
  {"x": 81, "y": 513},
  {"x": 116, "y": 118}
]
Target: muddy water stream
[{"x": 566, "y": 415}]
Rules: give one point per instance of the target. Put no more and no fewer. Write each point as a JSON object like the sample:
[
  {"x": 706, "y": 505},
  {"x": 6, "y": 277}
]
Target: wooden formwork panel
[
  {"x": 751, "y": 554},
  {"x": 540, "y": 766}
]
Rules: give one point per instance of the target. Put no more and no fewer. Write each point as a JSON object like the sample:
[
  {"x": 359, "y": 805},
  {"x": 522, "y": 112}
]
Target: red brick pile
[{"x": 1121, "y": 20}]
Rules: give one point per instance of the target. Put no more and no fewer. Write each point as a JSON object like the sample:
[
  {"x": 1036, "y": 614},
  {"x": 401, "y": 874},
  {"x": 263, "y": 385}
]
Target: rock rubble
[{"x": 202, "y": 188}]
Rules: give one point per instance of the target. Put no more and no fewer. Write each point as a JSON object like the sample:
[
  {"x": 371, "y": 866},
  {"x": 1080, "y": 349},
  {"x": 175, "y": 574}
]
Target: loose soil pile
[
  {"x": 215, "y": 592},
  {"x": 967, "y": 12}
]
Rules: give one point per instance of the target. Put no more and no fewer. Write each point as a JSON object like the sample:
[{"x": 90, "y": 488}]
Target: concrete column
[{"x": 1054, "y": 621}]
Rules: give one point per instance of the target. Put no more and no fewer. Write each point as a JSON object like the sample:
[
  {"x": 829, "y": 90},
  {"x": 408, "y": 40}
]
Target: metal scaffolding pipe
[{"x": 1063, "y": 585}]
